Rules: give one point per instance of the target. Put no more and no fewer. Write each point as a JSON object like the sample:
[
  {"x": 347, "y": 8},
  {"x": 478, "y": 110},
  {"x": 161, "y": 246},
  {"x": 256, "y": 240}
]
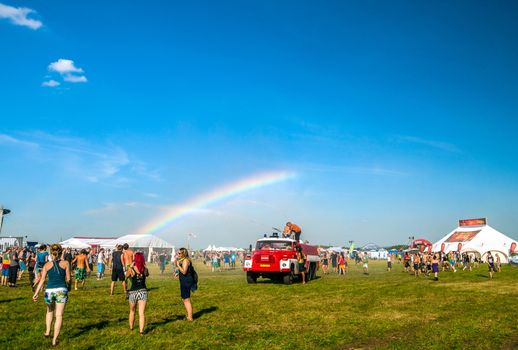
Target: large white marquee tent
[
  {"x": 144, "y": 242},
  {"x": 477, "y": 240}
]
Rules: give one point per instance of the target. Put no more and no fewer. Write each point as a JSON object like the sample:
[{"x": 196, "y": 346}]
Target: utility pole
[{"x": 3, "y": 211}]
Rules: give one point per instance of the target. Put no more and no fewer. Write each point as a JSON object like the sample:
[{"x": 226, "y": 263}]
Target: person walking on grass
[
  {"x": 137, "y": 294},
  {"x": 187, "y": 282},
  {"x": 417, "y": 262},
  {"x": 117, "y": 266},
  {"x": 365, "y": 261},
  {"x": 14, "y": 265},
  {"x": 101, "y": 262},
  {"x": 498, "y": 263},
  {"x": 56, "y": 292},
  {"x": 435, "y": 267},
  {"x": 127, "y": 256},
  {"x": 389, "y": 262},
  {"x": 491, "y": 264},
  {"x": 5, "y": 267},
  {"x": 341, "y": 264},
  {"x": 41, "y": 259},
  {"x": 81, "y": 269}
]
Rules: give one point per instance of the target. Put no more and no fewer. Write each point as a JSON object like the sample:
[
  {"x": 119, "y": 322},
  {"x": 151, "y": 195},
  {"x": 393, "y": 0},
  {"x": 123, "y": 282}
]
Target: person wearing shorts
[
  {"x": 56, "y": 292},
  {"x": 365, "y": 260},
  {"x": 491, "y": 264},
  {"x": 137, "y": 294},
  {"x": 5, "y": 267},
  {"x": 389, "y": 262},
  {"x": 117, "y": 269},
  {"x": 435, "y": 267},
  {"x": 82, "y": 267}
]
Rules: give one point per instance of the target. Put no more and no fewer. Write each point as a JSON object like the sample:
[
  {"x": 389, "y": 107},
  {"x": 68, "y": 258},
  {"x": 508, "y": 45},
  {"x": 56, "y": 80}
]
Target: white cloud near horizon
[{"x": 19, "y": 16}]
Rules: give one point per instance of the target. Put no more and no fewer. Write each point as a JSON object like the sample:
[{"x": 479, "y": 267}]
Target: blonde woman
[
  {"x": 56, "y": 292},
  {"x": 187, "y": 283}
]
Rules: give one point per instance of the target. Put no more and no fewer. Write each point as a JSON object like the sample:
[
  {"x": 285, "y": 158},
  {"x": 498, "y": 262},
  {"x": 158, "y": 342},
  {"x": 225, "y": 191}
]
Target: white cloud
[
  {"x": 6, "y": 139},
  {"x": 51, "y": 83},
  {"x": 63, "y": 66},
  {"x": 75, "y": 78},
  {"x": 18, "y": 16},
  {"x": 68, "y": 71}
]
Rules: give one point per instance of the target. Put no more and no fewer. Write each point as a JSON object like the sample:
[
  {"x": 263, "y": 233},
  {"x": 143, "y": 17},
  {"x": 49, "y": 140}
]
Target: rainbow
[{"x": 213, "y": 197}]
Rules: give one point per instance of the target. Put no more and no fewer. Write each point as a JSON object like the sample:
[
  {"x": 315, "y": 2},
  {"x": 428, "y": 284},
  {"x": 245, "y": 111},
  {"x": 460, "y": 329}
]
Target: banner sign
[
  {"x": 462, "y": 236},
  {"x": 473, "y": 222}
]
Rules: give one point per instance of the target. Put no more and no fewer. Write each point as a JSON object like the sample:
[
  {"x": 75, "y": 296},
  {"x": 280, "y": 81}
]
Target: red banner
[
  {"x": 473, "y": 222},
  {"x": 462, "y": 236}
]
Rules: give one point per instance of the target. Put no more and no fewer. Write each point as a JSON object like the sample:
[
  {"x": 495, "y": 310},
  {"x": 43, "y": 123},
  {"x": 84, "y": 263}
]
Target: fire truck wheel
[
  {"x": 251, "y": 277},
  {"x": 288, "y": 278},
  {"x": 312, "y": 271}
]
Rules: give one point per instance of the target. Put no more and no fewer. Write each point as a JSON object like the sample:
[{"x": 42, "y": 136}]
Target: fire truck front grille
[{"x": 264, "y": 259}]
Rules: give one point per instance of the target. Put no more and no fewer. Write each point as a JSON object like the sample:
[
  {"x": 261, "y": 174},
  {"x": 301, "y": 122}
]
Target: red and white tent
[{"x": 478, "y": 240}]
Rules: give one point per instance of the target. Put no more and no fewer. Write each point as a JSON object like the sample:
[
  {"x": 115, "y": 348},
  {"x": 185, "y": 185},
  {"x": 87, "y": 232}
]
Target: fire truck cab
[{"x": 275, "y": 258}]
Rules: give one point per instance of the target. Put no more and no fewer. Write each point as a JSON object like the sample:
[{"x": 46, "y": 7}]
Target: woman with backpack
[
  {"x": 137, "y": 294},
  {"x": 56, "y": 292},
  {"x": 187, "y": 280}
]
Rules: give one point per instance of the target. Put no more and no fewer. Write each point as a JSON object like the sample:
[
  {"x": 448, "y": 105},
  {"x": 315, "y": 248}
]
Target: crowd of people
[
  {"x": 417, "y": 264},
  {"x": 219, "y": 261},
  {"x": 58, "y": 267},
  {"x": 340, "y": 261}
]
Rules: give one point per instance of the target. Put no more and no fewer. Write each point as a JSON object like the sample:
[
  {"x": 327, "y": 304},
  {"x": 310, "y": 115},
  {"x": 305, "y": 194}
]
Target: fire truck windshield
[{"x": 273, "y": 245}]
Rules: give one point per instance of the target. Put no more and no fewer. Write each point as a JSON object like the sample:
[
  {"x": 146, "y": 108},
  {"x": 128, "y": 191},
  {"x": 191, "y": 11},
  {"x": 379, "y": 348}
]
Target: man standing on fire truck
[{"x": 290, "y": 229}]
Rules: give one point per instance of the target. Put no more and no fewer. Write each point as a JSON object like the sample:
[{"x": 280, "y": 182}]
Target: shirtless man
[
  {"x": 127, "y": 256},
  {"x": 82, "y": 268}
]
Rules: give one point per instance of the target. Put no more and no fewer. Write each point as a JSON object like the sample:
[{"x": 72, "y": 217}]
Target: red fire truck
[{"x": 274, "y": 258}]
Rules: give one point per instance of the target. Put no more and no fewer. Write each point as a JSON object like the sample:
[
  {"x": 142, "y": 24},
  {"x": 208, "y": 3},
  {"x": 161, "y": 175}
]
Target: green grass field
[{"x": 385, "y": 310}]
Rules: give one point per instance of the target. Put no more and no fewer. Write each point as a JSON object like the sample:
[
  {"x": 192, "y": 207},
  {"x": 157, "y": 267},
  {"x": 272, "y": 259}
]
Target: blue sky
[{"x": 398, "y": 117}]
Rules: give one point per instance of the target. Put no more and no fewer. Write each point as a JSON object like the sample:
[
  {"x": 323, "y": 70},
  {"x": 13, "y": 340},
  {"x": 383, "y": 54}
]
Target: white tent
[
  {"x": 146, "y": 243},
  {"x": 74, "y": 243},
  {"x": 477, "y": 240}
]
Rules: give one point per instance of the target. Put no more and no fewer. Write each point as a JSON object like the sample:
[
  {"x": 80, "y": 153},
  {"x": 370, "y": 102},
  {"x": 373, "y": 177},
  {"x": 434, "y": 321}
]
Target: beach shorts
[
  {"x": 389, "y": 264},
  {"x": 365, "y": 266},
  {"x": 100, "y": 267},
  {"x": 492, "y": 268},
  {"x": 56, "y": 295},
  {"x": 118, "y": 274},
  {"x": 5, "y": 271},
  {"x": 435, "y": 268},
  {"x": 136, "y": 295},
  {"x": 80, "y": 274},
  {"x": 416, "y": 266},
  {"x": 23, "y": 266}
]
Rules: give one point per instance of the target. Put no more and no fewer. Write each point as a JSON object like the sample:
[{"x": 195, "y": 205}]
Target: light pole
[
  {"x": 189, "y": 236},
  {"x": 3, "y": 211}
]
